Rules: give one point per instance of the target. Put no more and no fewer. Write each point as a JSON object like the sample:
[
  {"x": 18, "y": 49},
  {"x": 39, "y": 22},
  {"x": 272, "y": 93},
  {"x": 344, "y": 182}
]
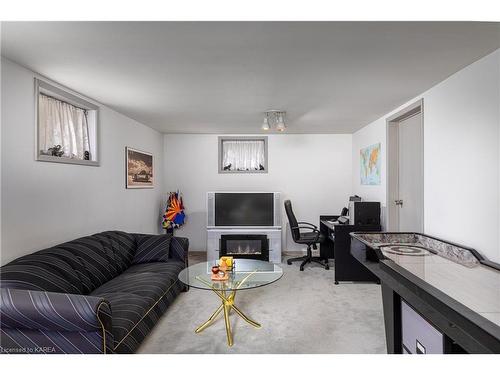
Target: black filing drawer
[{"x": 419, "y": 336}]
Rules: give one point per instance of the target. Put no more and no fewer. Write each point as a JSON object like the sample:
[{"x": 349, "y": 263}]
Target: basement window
[
  {"x": 66, "y": 126},
  {"x": 242, "y": 154}
]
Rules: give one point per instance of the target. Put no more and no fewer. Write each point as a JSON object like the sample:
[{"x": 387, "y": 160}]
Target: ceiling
[{"x": 218, "y": 77}]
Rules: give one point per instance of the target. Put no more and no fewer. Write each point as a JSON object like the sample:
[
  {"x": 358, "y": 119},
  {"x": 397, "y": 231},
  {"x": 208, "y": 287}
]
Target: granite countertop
[{"x": 454, "y": 270}]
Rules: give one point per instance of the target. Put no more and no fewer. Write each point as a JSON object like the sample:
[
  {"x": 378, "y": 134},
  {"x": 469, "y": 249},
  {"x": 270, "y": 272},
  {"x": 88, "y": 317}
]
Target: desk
[{"x": 338, "y": 246}]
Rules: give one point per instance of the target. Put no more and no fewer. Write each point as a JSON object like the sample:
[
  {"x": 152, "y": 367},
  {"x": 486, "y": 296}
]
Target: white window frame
[
  {"x": 256, "y": 138},
  {"x": 65, "y": 95}
]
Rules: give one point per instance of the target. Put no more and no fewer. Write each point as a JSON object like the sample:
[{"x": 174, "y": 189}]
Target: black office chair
[{"x": 310, "y": 238}]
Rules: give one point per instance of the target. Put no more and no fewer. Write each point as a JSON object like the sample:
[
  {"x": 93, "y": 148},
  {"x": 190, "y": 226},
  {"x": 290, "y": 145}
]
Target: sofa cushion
[
  {"x": 147, "y": 280},
  {"x": 152, "y": 248},
  {"x": 134, "y": 338},
  {"x": 133, "y": 293},
  {"x": 120, "y": 246},
  {"x": 98, "y": 258},
  {"x": 172, "y": 267},
  {"x": 127, "y": 310}
]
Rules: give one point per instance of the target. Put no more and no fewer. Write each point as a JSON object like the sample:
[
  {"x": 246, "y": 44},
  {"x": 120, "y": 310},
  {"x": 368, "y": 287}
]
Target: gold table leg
[
  {"x": 227, "y": 304},
  {"x": 210, "y": 320},
  {"x": 229, "y": 334},
  {"x": 245, "y": 318}
]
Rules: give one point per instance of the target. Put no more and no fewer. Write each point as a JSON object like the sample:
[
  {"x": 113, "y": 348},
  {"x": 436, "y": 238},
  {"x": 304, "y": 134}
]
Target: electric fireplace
[{"x": 246, "y": 246}]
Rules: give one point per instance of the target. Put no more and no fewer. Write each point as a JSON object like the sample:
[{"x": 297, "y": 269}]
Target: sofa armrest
[
  {"x": 179, "y": 247},
  {"x": 38, "y": 313}
]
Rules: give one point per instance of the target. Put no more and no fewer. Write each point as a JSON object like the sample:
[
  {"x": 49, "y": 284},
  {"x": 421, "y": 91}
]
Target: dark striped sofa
[{"x": 89, "y": 295}]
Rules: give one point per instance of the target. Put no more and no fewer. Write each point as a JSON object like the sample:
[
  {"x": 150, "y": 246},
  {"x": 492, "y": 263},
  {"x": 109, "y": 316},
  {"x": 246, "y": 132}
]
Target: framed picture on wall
[
  {"x": 370, "y": 165},
  {"x": 139, "y": 169}
]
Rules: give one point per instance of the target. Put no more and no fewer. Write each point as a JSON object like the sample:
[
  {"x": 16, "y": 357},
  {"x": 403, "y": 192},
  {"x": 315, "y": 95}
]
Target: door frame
[{"x": 392, "y": 161}]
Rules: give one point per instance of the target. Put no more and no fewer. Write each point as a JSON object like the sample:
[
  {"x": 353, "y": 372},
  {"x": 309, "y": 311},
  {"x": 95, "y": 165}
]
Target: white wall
[
  {"x": 44, "y": 204},
  {"x": 1, "y": 79},
  {"x": 368, "y": 136},
  {"x": 461, "y": 157},
  {"x": 313, "y": 171}
]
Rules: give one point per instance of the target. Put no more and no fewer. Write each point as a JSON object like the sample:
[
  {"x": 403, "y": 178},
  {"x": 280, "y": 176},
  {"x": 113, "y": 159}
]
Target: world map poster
[{"x": 369, "y": 160}]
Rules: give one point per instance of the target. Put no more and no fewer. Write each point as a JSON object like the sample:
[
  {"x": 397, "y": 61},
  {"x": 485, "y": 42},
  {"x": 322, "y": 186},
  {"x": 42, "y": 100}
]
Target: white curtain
[
  {"x": 61, "y": 123},
  {"x": 242, "y": 155}
]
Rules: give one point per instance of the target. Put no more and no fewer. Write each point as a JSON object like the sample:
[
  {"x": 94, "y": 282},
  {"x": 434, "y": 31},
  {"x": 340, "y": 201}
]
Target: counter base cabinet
[
  {"x": 418, "y": 335},
  {"x": 409, "y": 332}
]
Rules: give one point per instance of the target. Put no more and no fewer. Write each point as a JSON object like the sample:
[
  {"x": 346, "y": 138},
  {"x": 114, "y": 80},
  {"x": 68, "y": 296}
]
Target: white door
[{"x": 410, "y": 174}]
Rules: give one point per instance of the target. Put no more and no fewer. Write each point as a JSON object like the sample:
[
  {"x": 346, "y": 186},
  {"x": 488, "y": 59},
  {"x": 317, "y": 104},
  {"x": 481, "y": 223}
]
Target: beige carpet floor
[{"x": 303, "y": 312}]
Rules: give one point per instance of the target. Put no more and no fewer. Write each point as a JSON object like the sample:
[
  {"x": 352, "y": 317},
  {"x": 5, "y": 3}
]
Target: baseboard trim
[{"x": 197, "y": 252}]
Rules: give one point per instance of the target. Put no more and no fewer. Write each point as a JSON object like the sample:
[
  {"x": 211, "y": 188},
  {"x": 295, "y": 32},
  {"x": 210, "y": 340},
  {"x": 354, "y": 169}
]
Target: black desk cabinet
[
  {"x": 326, "y": 229},
  {"x": 347, "y": 268}
]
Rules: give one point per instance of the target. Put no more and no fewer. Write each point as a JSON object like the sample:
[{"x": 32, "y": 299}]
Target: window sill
[
  {"x": 244, "y": 172},
  {"x": 55, "y": 159}
]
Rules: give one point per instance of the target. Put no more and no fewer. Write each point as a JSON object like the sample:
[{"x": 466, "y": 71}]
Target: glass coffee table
[{"x": 246, "y": 274}]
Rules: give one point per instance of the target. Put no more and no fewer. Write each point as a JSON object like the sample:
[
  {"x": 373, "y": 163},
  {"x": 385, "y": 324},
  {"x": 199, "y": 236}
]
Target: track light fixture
[
  {"x": 265, "y": 124},
  {"x": 274, "y": 118}
]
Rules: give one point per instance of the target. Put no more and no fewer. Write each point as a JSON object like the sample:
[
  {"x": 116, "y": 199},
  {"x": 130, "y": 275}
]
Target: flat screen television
[{"x": 243, "y": 209}]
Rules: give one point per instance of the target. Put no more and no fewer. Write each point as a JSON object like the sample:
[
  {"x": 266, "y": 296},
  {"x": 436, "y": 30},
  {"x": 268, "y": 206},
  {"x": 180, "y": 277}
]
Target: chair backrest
[{"x": 292, "y": 220}]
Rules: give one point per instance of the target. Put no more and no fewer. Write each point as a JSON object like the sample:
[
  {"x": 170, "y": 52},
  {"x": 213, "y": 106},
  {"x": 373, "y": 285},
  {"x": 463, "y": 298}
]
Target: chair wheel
[
  {"x": 327, "y": 267},
  {"x": 301, "y": 268},
  {"x": 288, "y": 262}
]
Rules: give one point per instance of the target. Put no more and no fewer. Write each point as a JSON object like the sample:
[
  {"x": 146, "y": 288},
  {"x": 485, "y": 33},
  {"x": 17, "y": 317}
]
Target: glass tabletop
[{"x": 246, "y": 274}]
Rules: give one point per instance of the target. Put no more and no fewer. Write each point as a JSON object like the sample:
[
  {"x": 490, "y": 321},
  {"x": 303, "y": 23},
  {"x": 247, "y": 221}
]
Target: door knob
[{"x": 399, "y": 202}]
